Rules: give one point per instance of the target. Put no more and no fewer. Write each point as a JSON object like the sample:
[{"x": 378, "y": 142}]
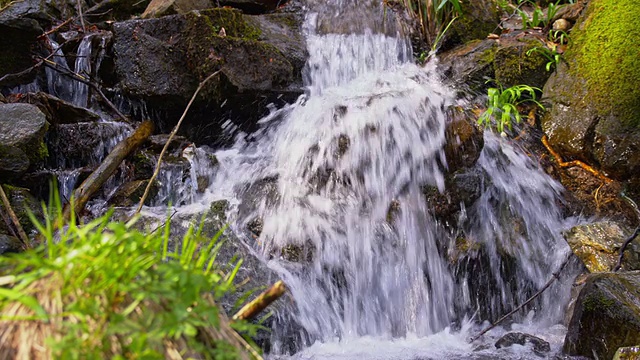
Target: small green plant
[
  {"x": 435, "y": 17},
  {"x": 538, "y": 17},
  {"x": 105, "y": 290},
  {"x": 502, "y": 105},
  {"x": 559, "y": 37},
  {"x": 552, "y": 55}
]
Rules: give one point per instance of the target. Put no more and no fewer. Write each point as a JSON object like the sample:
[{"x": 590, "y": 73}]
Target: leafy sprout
[{"x": 502, "y": 105}]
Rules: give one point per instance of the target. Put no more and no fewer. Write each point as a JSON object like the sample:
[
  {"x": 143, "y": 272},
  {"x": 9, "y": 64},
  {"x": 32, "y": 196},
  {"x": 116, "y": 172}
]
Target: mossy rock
[
  {"x": 130, "y": 193},
  {"x": 513, "y": 66},
  {"x": 598, "y": 246},
  {"x": 22, "y": 130},
  {"x": 22, "y": 203},
  {"x": 479, "y": 18},
  {"x": 469, "y": 65},
  {"x": 596, "y": 100},
  {"x": 246, "y": 62},
  {"x": 606, "y": 315}
]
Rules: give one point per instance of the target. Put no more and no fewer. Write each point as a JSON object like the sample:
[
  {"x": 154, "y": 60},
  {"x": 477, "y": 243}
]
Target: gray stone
[
  {"x": 540, "y": 346},
  {"x": 606, "y": 315},
  {"x": 598, "y": 246},
  {"x": 22, "y": 130}
]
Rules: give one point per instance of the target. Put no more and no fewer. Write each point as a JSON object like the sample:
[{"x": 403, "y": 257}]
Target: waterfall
[
  {"x": 346, "y": 224},
  {"x": 82, "y": 68}
]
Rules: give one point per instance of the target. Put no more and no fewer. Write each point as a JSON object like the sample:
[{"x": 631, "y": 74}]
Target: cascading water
[
  {"x": 348, "y": 161},
  {"x": 82, "y": 67}
]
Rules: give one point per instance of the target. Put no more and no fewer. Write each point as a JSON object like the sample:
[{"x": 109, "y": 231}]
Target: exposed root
[{"x": 566, "y": 164}]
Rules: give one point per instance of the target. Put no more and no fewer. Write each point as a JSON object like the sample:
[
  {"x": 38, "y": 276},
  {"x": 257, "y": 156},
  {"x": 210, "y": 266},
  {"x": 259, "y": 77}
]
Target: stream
[{"x": 371, "y": 275}]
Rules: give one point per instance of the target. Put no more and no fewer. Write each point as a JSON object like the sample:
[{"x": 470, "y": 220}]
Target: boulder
[
  {"x": 469, "y": 65},
  {"x": 606, "y": 316},
  {"x": 161, "y": 61},
  {"x": 478, "y": 19},
  {"x": 598, "y": 246},
  {"x": 58, "y": 111},
  {"x": 513, "y": 66},
  {"x": 22, "y": 130},
  {"x": 540, "y": 346},
  {"x": 84, "y": 144},
  {"x": 159, "y": 8},
  {"x": 254, "y": 6},
  {"x": 595, "y": 113}
]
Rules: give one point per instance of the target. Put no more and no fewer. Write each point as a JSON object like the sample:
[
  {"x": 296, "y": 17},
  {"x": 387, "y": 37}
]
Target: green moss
[
  {"x": 513, "y": 66},
  {"x": 597, "y": 302},
  {"x": 605, "y": 54}
]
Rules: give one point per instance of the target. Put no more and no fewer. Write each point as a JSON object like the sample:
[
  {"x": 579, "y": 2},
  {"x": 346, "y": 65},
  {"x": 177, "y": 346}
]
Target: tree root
[{"x": 566, "y": 164}]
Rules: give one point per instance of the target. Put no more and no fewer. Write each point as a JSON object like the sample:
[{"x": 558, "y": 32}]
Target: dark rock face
[
  {"x": 22, "y": 129},
  {"x": 606, "y": 315},
  {"x": 540, "y": 346},
  {"x": 596, "y": 108},
  {"x": 23, "y": 203},
  {"x": 160, "y": 62}
]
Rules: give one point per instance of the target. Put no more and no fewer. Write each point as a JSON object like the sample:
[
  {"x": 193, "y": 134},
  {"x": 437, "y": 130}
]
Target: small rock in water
[
  {"x": 540, "y": 346},
  {"x": 628, "y": 353}
]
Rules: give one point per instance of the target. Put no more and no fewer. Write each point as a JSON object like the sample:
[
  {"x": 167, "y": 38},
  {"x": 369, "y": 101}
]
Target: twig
[
  {"x": 633, "y": 236},
  {"x": 79, "y": 3},
  {"x": 14, "y": 218},
  {"x": 56, "y": 28},
  {"x": 171, "y": 135},
  {"x": 497, "y": 322},
  {"x": 164, "y": 223},
  {"x": 255, "y": 306}
]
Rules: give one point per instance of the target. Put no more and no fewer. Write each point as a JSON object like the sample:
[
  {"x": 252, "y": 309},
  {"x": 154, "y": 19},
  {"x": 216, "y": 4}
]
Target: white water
[{"x": 365, "y": 138}]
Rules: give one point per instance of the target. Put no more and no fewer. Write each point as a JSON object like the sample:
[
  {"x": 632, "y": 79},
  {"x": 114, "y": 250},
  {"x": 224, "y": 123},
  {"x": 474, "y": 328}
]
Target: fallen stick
[
  {"x": 171, "y": 135},
  {"x": 108, "y": 166},
  {"x": 554, "y": 277},
  {"x": 253, "y": 308},
  {"x": 14, "y": 218}
]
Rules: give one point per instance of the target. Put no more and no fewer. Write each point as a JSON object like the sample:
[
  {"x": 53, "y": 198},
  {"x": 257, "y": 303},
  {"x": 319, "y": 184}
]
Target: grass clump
[
  {"x": 105, "y": 290},
  {"x": 435, "y": 17}
]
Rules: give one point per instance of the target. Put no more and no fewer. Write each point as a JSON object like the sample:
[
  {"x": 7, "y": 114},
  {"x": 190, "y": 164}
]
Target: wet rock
[
  {"x": 478, "y": 19},
  {"x": 254, "y": 6},
  {"x": 159, "y": 8},
  {"x": 470, "y": 64},
  {"x": 540, "y": 346},
  {"x": 58, "y": 111},
  {"x": 157, "y": 142},
  {"x": 9, "y": 244},
  {"x": 161, "y": 61},
  {"x": 598, "y": 246},
  {"x": 606, "y": 316},
  {"x": 628, "y": 353},
  {"x": 603, "y": 131},
  {"x": 83, "y": 144},
  {"x": 130, "y": 193},
  {"x": 462, "y": 188},
  {"x": 464, "y": 140},
  {"x": 22, "y": 203},
  {"x": 22, "y": 130},
  {"x": 513, "y": 66}
]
